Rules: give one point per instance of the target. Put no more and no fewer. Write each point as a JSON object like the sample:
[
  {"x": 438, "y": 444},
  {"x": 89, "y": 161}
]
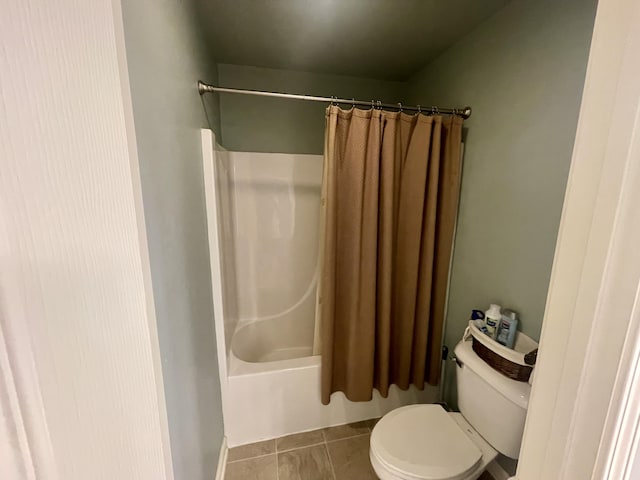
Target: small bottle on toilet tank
[
  {"x": 492, "y": 319},
  {"x": 508, "y": 328}
]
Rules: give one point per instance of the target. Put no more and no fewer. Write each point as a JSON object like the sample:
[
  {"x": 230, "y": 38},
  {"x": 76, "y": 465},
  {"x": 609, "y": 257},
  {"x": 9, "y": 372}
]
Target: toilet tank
[{"x": 493, "y": 404}]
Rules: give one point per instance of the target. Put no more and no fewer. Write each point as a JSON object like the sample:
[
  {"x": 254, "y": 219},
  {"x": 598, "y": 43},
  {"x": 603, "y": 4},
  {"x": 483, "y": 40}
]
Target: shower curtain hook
[
  {"x": 379, "y": 104},
  {"x": 353, "y": 102},
  {"x": 373, "y": 106},
  {"x": 419, "y": 109},
  {"x": 400, "y": 106}
]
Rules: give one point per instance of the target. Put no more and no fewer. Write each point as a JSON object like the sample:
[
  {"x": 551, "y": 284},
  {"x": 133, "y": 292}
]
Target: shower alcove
[{"x": 263, "y": 219}]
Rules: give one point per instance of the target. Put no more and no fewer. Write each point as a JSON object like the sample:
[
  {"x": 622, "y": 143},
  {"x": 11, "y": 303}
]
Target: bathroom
[
  {"x": 189, "y": 340},
  {"x": 519, "y": 65},
  {"x": 166, "y": 246}
]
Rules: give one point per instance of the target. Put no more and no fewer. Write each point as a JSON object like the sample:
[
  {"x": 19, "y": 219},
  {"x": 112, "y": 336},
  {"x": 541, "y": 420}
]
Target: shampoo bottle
[
  {"x": 492, "y": 319},
  {"x": 508, "y": 328}
]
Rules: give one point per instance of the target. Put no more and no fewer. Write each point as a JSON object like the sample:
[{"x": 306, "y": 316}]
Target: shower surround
[{"x": 263, "y": 216}]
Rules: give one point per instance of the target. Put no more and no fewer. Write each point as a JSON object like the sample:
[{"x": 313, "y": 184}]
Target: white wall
[
  {"x": 221, "y": 178},
  {"x": 276, "y": 219},
  {"x": 166, "y": 58},
  {"x": 267, "y": 215},
  {"x": 522, "y": 71},
  {"x": 259, "y": 124},
  {"x": 75, "y": 303}
]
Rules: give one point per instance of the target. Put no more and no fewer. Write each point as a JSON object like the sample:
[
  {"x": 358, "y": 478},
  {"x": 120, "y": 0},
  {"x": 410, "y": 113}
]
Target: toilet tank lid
[{"x": 513, "y": 390}]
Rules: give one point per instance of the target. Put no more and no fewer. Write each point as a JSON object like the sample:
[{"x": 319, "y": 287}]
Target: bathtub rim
[{"x": 238, "y": 367}]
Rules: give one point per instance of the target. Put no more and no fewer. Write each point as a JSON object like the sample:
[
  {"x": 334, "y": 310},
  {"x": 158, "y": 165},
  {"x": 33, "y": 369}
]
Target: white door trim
[
  {"x": 596, "y": 268},
  {"x": 619, "y": 442}
]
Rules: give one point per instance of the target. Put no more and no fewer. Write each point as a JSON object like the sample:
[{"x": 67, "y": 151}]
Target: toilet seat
[{"x": 423, "y": 442}]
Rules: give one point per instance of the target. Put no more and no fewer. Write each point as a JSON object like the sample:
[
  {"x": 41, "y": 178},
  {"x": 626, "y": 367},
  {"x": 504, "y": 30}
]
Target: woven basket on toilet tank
[{"x": 509, "y": 362}]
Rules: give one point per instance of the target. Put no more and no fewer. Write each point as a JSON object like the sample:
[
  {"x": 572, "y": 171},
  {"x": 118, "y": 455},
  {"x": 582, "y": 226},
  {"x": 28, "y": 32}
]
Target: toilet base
[{"x": 384, "y": 474}]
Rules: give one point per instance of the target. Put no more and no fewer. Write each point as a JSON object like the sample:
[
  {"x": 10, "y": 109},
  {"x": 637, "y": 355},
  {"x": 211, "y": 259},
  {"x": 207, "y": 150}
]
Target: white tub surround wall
[
  {"x": 282, "y": 337},
  {"x": 226, "y": 237},
  {"x": 215, "y": 238},
  {"x": 263, "y": 217},
  {"x": 276, "y": 199}
]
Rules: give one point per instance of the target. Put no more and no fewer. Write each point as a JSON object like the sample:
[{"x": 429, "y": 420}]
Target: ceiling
[{"x": 385, "y": 39}]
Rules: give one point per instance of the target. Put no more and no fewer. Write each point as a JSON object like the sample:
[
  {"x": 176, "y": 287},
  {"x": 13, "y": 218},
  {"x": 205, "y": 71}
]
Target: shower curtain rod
[{"x": 464, "y": 112}]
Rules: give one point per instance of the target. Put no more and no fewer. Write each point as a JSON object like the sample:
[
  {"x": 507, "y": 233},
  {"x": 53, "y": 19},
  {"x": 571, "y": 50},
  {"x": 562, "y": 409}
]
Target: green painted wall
[
  {"x": 165, "y": 56},
  {"x": 259, "y": 124},
  {"x": 523, "y": 72}
]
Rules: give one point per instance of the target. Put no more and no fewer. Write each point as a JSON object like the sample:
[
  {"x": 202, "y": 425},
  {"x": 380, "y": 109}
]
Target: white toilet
[{"x": 424, "y": 442}]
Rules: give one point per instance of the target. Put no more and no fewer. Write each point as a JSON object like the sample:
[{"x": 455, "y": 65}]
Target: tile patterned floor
[{"x": 335, "y": 453}]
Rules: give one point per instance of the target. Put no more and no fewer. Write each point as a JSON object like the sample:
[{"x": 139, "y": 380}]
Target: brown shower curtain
[{"x": 389, "y": 200}]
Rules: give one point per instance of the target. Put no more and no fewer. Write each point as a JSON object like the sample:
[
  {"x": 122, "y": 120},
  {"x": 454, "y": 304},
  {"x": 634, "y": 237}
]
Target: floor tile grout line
[
  {"x": 350, "y": 436},
  {"x": 347, "y": 438},
  {"x": 275, "y": 441},
  {"x": 250, "y": 458},
  {"x": 301, "y": 447},
  {"x": 333, "y": 470},
  {"x": 275, "y": 450}
]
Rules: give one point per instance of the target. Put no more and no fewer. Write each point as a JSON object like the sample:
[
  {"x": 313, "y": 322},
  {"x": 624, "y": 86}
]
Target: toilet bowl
[{"x": 425, "y": 442}]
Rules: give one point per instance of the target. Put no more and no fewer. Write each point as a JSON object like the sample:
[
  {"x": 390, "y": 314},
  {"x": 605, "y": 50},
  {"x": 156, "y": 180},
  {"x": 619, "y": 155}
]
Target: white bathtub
[
  {"x": 266, "y": 341},
  {"x": 262, "y": 212},
  {"x": 272, "y": 399}
]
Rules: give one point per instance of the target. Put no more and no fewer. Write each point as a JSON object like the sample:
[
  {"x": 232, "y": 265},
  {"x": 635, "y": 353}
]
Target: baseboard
[
  {"x": 222, "y": 460},
  {"x": 497, "y": 471}
]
